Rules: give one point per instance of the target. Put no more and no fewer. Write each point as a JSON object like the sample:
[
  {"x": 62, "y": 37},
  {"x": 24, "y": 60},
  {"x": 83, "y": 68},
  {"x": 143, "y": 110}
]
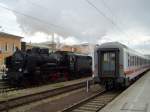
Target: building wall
[
  {"x": 83, "y": 49},
  {"x": 8, "y": 44},
  {"x": 32, "y": 45},
  {"x": 29, "y": 46},
  {"x": 67, "y": 48}
]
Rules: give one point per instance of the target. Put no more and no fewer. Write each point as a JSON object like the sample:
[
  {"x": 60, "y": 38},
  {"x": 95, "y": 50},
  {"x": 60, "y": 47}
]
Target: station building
[{"x": 8, "y": 44}]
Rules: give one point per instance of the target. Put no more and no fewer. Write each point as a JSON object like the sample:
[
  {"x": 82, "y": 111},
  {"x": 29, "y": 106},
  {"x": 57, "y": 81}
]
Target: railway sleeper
[
  {"x": 79, "y": 110},
  {"x": 102, "y": 99},
  {"x": 88, "y": 108},
  {"x": 94, "y": 106},
  {"x": 101, "y": 102}
]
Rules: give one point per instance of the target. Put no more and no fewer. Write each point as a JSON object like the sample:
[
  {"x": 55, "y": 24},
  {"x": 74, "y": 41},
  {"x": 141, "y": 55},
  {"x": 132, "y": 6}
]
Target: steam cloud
[{"x": 76, "y": 18}]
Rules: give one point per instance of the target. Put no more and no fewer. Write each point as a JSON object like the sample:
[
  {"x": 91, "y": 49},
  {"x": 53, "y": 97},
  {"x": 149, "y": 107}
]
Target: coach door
[{"x": 109, "y": 63}]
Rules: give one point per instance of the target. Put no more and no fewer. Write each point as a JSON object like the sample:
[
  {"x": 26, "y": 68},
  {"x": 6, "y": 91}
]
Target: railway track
[
  {"x": 93, "y": 103},
  {"x": 5, "y": 87},
  {"x": 20, "y": 101}
]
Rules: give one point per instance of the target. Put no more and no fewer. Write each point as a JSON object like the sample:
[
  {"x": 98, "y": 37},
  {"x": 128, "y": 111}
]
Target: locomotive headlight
[{"x": 20, "y": 70}]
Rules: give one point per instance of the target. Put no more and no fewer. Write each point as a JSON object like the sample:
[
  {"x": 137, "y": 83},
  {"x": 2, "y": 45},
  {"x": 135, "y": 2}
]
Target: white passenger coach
[{"x": 117, "y": 65}]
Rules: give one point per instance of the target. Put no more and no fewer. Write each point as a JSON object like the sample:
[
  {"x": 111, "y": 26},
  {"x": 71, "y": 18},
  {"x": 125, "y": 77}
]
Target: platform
[
  {"x": 34, "y": 90},
  {"x": 134, "y": 99}
]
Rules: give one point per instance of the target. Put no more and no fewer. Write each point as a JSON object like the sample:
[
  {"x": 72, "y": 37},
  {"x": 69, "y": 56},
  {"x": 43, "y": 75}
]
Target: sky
[{"x": 79, "y": 21}]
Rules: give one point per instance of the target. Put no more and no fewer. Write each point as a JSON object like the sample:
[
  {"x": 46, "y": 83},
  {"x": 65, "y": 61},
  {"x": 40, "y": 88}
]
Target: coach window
[
  {"x": 133, "y": 60},
  {"x": 136, "y": 60},
  {"x": 105, "y": 57},
  {"x": 142, "y": 61},
  {"x": 139, "y": 61},
  {"x": 128, "y": 60}
]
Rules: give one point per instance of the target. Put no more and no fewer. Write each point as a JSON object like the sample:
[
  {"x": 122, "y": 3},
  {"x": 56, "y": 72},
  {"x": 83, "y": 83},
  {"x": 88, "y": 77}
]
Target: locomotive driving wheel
[
  {"x": 66, "y": 76},
  {"x": 55, "y": 77}
]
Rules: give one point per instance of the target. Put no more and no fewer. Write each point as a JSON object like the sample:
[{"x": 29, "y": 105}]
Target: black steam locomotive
[{"x": 38, "y": 66}]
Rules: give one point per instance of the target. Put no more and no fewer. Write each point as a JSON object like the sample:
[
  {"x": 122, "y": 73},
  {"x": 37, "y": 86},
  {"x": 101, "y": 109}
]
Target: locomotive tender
[
  {"x": 37, "y": 65},
  {"x": 117, "y": 65}
]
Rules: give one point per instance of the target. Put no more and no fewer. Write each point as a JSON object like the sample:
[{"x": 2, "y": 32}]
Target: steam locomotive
[{"x": 38, "y": 66}]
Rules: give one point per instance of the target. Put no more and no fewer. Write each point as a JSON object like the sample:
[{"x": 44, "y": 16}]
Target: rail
[{"x": 19, "y": 101}]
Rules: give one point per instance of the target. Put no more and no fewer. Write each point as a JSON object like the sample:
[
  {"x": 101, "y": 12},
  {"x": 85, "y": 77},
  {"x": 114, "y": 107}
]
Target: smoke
[
  {"x": 66, "y": 18},
  {"x": 77, "y": 21}
]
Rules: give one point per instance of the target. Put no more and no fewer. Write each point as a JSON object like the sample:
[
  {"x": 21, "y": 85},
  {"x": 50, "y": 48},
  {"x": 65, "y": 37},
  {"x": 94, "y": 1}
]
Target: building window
[
  {"x": 13, "y": 48},
  {"x": 6, "y": 47},
  {"x": 0, "y": 49}
]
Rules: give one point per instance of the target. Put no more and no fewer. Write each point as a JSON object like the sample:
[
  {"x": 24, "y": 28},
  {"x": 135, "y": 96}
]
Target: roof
[
  {"x": 37, "y": 45},
  {"x": 116, "y": 44},
  {"x": 48, "y": 42},
  {"x": 11, "y": 35},
  {"x": 70, "y": 52}
]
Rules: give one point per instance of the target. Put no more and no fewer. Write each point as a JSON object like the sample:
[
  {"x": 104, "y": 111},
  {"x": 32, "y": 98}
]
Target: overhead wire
[
  {"x": 50, "y": 25},
  {"x": 106, "y": 17},
  {"x": 110, "y": 10}
]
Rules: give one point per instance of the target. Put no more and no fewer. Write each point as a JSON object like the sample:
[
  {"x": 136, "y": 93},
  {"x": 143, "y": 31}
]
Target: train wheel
[
  {"x": 66, "y": 76},
  {"x": 55, "y": 77},
  {"x": 109, "y": 85},
  {"x": 24, "y": 82}
]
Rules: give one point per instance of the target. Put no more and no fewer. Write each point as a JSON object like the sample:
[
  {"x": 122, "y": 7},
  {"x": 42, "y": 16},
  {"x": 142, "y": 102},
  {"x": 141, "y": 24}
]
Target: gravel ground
[{"x": 59, "y": 102}]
